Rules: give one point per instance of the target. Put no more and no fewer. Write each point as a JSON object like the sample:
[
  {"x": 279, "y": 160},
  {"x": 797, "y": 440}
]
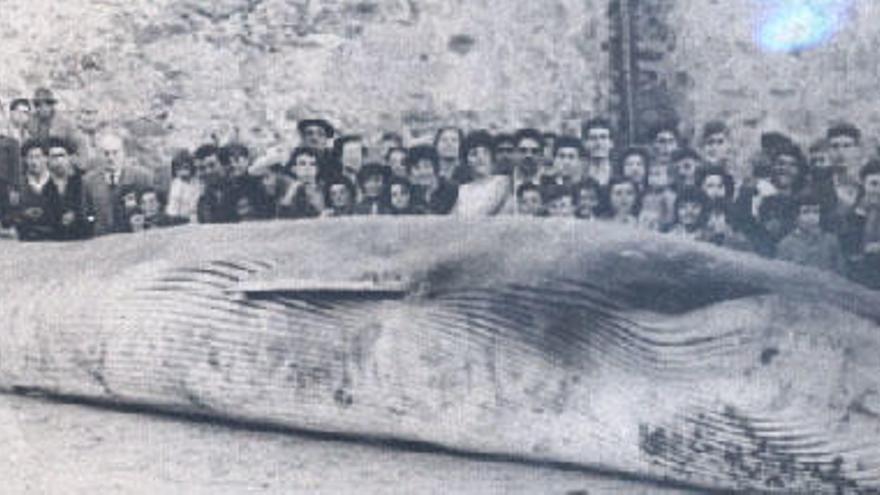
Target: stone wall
[
  {"x": 174, "y": 71},
  {"x": 703, "y": 60}
]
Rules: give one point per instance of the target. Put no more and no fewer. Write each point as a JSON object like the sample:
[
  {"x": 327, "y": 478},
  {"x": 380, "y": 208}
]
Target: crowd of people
[{"x": 818, "y": 207}]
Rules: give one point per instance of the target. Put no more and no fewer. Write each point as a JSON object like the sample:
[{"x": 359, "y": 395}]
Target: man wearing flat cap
[
  {"x": 45, "y": 121},
  {"x": 316, "y": 133}
]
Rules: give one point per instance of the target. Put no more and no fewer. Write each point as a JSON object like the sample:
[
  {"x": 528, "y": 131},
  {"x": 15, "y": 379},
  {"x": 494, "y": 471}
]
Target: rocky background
[
  {"x": 175, "y": 71},
  {"x": 701, "y": 60}
]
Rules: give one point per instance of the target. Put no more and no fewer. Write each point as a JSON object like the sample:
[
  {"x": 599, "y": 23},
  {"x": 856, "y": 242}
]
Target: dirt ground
[{"x": 50, "y": 448}]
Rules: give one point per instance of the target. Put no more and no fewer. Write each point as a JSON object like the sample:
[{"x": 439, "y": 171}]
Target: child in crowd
[
  {"x": 808, "y": 244},
  {"x": 396, "y": 161},
  {"x": 690, "y": 214},
  {"x": 529, "y": 201},
  {"x": 432, "y": 193},
  {"x": 339, "y": 194},
  {"x": 149, "y": 213},
  {"x": 624, "y": 202},
  {"x": 589, "y": 199},
  {"x": 634, "y": 163},
  {"x": 559, "y": 201},
  {"x": 721, "y": 228},
  {"x": 686, "y": 163},
  {"x": 568, "y": 161},
  {"x": 185, "y": 189},
  {"x": 400, "y": 197},
  {"x": 373, "y": 181},
  {"x": 658, "y": 202},
  {"x": 304, "y": 198}
]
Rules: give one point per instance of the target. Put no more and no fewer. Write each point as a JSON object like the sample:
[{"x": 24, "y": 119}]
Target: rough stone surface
[
  {"x": 174, "y": 71},
  {"x": 702, "y": 60}
]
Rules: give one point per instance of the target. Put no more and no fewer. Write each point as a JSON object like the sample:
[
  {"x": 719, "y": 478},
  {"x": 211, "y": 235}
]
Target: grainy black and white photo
[{"x": 552, "y": 247}]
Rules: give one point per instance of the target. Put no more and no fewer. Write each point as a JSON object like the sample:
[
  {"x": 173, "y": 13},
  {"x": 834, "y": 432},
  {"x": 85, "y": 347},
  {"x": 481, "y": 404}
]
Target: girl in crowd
[
  {"x": 432, "y": 192},
  {"x": 589, "y": 200},
  {"x": 690, "y": 214},
  {"x": 339, "y": 194},
  {"x": 400, "y": 194},
  {"x": 624, "y": 202},
  {"x": 304, "y": 198},
  {"x": 559, "y": 201},
  {"x": 373, "y": 181},
  {"x": 634, "y": 163},
  {"x": 185, "y": 189}
]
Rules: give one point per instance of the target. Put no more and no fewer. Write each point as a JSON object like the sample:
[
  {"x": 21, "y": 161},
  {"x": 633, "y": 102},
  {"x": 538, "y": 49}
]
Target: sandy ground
[{"x": 50, "y": 448}]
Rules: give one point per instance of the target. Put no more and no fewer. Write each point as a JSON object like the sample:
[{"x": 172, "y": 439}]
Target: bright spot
[{"x": 790, "y": 25}]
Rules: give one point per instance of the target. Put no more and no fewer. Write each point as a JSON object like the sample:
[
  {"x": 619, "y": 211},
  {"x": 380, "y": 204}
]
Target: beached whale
[{"x": 564, "y": 341}]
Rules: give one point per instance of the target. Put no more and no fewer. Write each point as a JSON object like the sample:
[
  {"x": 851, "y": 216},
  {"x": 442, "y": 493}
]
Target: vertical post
[{"x": 627, "y": 67}]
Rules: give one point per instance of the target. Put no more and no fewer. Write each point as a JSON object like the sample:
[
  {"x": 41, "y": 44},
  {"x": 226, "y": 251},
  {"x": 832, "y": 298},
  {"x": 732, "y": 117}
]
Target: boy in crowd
[
  {"x": 716, "y": 144},
  {"x": 68, "y": 185},
  {"x": 529, "y": 201},
  {"x": 39, "y": 205},
  {"x": 838, "y": 186},
  {"x": 599, "y": 143},
  {"x": 530, "y": 154},
  {"x": 559, "y": 201},
  {"x": 216, "y": 204},
  {"x": 395, "y": 159},
  {"x": 666, "y": 141},
  {"x": 373, "y": 179},
  {"x": 317, "y": 134},
  {"x": 45, "y": 121},
  {"x": 686, "y": 163},
  {"x": 568, "y": 162},
  {"x": 588, "y": 200},
  {"x": 808, "y": 244},
  {"x": 505, "y": 153}
]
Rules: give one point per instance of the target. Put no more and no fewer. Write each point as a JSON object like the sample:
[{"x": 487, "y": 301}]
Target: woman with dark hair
[
  {"x": 589, "y": 199},
  {"x": 339, "y": 194},
  {"x": 400, "y": 197},
  {"x": 373, "y": 180},
  {"x": 690, "y": 213},
  {"x": 431, "y": 192},
  {"x": 449, "y": 143},
  {"x": 624, "y": 201},
  {"x": 305, "y": 199},
  {"x": 722, "y": 228}
]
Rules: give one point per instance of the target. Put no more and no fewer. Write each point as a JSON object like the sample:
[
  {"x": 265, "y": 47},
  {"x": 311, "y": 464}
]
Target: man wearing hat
[
  {"x": 316, "y": 134},
  {"x": 45, "y": 121}
]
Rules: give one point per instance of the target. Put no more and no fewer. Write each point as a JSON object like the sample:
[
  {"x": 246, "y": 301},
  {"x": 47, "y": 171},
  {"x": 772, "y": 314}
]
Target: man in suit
[{"x": 102, "y": 186}]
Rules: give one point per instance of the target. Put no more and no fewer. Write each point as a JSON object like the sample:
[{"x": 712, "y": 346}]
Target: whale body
[{"x": 539, "y": 339}]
